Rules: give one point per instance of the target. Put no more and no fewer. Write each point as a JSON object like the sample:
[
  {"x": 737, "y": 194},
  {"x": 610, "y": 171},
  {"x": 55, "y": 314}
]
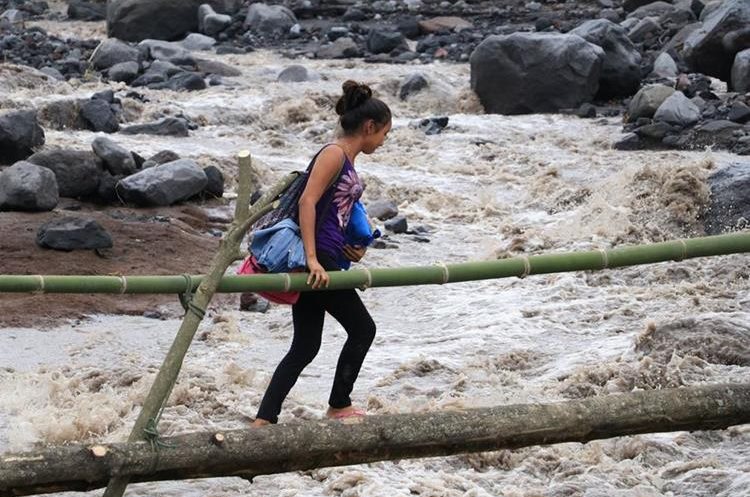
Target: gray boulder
[
  {"x": 652, "y": 9},
  {"x": 342, "y": 48},
  {"x": 169, "y": 126},
  {"x": 678, "y": 109},
  {"x": 27, "y": 187},
  {"x": 111, "y": 52},
  {"x": 383, "y": 41},
  {"x": 535, "y": 72},
  {"x": 665, "y": 67},
  {"x": 726, "y": 31},
  {"x": 125, "y": 72},
  {"x": 647, "y": 100},
  {"x": 413, "y": 84},
  {"x": 136, "y": 20},
  {"x": 77, "y": 172},
  {"x": 631, "y": 5},
  {"x": 99, "y": 116},
  {"x": 216, "y": 67},
  {"x": 196, "y": 42},
  {"x": 397, "y": 224},
  {"x": 621, "y": 68},
  {"x": 73, "y": 233},
  {"x": 741, "y": 72},
  {"x": 646, "y": 28},
  {"x": 269, "y": 19},
  {"x": 116, "y": 159},
  {"x": 215, "y": 182},
  {"x": 730, "y": 199},
  {"x": 161, "y": 157},
  {"x": 20, "y": 133},
  {"x": 382, "y": 209},
  {"x": 87, "y": 11},
  {"x": 297, "y": 74},
  {"x": 166, "y": 51},
  {"x": 165, "y": 184},
  {"x": 211, "y": 23},
  {"x": 187, "y": 81}
]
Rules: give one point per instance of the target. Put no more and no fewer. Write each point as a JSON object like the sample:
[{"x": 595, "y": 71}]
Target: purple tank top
[{"x": 333, "y": 210}]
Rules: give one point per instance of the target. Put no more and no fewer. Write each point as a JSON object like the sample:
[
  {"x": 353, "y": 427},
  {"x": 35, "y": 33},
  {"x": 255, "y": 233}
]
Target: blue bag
[
  {"x": 279, "y": 248},
  {"x": 358, "y": 232}
]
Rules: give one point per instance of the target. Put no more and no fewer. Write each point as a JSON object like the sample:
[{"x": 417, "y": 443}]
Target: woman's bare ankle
[{"x": 260, "y": 422}]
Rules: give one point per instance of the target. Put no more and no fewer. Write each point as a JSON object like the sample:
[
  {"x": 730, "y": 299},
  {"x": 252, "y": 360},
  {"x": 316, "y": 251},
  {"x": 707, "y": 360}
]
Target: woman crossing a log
[{"x": 324, "y": 210}]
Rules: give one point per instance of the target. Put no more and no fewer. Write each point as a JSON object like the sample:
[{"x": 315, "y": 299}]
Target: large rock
[
  {"x": 99, "y": 116},
  {"x": 741, "y": 72},
  {"x": 665, "y": 67},
  {"x": 269, "y": 19},
  {"x": 621, "y": 69},
  {"x": 87, "y": 11},
  {"x": 136, "y": 20},
  {"x": 113, "y": 51},
  {"x": 678, "y": 109},
  {"x": 384, "y": 41},
  {"x": 27, "y": 187},
  {"x": 77, "y": 172},
  {"x": 647, "y": 100},
  {"x": 167, "y": 51},
  {"x": 211, "y": 23},
  {"x": 169, "y": 126},
  {"x": 712, "y": 48},
  {"x": 730, "y": 198},
  {"x": 116, "y": 159},
  {"x": 342, "y": 48},
  {"x": 164, "y": 185},
  {"x": 73, "y": 233},
  {"x": 535, "y": 72},
  {"x": 20, "y": 133}
]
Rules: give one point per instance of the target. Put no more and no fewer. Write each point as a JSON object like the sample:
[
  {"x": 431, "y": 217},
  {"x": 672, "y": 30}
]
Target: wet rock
[
  {"x": 269, "y": 19},
  {"x": 535, "y": 72},
  {"x": 196, "y": 42},
  {"x": 149, "y": 78},
  {"x": 431, "y": 125},
  {"x": 164, "y": 185},
  {"x": 741, "y": 72},
  {"x": 169, "y": 126},
  {"x": 77, "y": 172},
  {"x": 162, "y": 69},
  {"x": 354, "y": 14},
  {"x": 115, "y": 158},
  {"x": 161, "y": 157},
  {"x": 113, "y": 51},
  {"x": 397, "y": 224},
  {"x": 51, "y": 71},
  {"x": 20, "y": 133},
  {"x": 647, "y": 100},
  {"x": 656, "y": 131},
  {"x": 586, "y": 111},
  {"x": 297, "y": 74},
  {"x": 87, "y": 11},
  {"x": 409, "y": 27},
  {"x": 739, "y": 113},
  {"x": 343, "y": 48},
  {"x": 215, "y": 181},
  {"x": 124, "y": 72},
  {"x": 730, "y": 199},
  {"x": 652, "y": 9},
  {"x": 718, "y": 134},
  {"x": 621, "y": 71},
  {"x": 99, "y": 116},
  {"x": 13, "y": 16},
  {"x": 167, "y": 51},
  {"x": 382, "y": 41},
  {"x": 382, "y": 209},
  {"x": 630, "y": 141},
  {"x": 715, "y": 339},
  {"x": 210, "y": 23},
  {"x": 678, "y": 109},
  {"x": 136, "y": 20},
  {"x": 217, "y": 68},
  {"x": 337, "y": 32},
  {"x": 28, "y": 187},
  {"x": 631, "y": 5},
  {"x": 106, "y": 192},
  {"x": 73, "y": 233},
  {"x": 183, "y": 81},
  {"x": 711, "y": 50},
  {"x": 665, "y": 67},
  {"x": 646, "y": 29},
  {"x": 413, "y": 84}
]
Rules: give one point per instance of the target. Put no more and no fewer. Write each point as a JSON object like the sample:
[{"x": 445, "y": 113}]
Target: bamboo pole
[
  {"x": 676, "y": 250},
  {"x": 147, "y": 421},
  {"x": 316, "y": 444}
]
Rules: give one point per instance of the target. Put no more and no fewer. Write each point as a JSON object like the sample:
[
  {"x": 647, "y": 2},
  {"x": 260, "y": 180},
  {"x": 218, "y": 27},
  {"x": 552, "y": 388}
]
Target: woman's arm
[{"x": 326, "y": 168}]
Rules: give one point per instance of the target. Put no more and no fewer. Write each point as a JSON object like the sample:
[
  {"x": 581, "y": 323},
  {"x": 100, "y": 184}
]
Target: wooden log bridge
[{"x": 316, "y": 444}]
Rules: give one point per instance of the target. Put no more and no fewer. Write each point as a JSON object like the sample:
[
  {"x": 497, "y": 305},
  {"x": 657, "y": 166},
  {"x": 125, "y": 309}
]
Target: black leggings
[{"x": 308, "y": 315}]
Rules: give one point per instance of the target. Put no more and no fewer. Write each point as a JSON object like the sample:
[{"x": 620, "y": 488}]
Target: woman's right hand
[{"x": 318, "y": 276}]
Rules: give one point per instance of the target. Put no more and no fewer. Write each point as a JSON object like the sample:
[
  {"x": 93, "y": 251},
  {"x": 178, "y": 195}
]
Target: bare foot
[
  {"x": 345, "y": 412},
  {"x": 259, "y": 422}
]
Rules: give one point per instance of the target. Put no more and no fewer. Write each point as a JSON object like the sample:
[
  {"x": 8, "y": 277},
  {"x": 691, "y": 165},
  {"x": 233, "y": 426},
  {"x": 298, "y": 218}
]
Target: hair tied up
[{"x": 355, "y": 95}]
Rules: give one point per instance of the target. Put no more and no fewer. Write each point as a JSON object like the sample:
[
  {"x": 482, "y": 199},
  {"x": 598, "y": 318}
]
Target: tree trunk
[{"x": 315, "y": 444}]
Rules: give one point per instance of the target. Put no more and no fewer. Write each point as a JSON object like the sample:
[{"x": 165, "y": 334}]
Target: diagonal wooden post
[{"x": 147, "y": 421}]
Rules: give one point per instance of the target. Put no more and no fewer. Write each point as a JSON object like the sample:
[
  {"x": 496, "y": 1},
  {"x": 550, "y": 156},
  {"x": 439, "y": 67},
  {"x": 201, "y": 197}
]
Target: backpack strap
[{"x": 315, "y": 157}]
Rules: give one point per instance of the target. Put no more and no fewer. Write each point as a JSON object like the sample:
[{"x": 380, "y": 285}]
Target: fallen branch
[{"x": 316, "y": 444}]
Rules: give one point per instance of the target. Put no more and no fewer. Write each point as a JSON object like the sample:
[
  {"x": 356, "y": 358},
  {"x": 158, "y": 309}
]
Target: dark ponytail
[{"x": 357, "y": 105}]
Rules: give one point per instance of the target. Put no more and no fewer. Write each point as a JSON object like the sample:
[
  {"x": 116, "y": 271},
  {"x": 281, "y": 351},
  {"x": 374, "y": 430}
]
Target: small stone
[{"x": 397, "y": 225}]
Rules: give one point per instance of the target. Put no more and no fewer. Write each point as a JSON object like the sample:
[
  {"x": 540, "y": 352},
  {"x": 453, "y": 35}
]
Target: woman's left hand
[{"x": 354, "y": 254}]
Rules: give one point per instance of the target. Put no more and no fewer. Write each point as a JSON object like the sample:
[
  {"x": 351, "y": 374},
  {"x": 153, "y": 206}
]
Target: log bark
[{"x": 315, "y": 444}]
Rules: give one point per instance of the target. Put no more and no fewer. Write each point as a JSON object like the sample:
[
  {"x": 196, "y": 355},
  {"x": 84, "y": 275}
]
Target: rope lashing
[
  {"x": 446, "y": 272},
  {"x": 186, "y": 298}
]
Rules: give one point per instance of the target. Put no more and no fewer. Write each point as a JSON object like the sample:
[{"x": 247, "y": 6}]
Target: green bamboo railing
[{"x": 418, "y": 275}]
